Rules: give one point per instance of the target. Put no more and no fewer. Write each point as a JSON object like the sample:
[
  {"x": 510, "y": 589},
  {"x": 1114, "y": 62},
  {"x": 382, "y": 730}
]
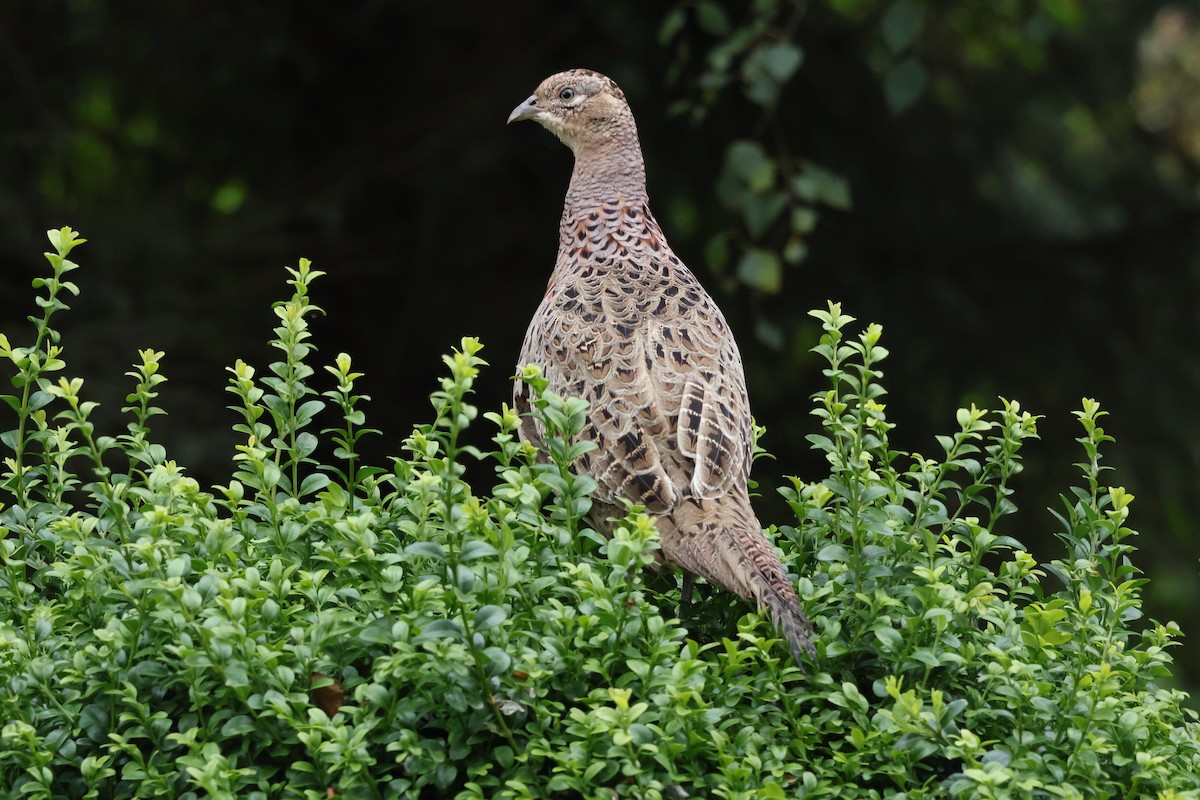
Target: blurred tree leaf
[
  {"x": 795, "y": 251},
  {"x": 901, "y": 24},
  {"x": 904, "y": 84},
  {"x": 671, "y": 25},
  {"x": 770, "y": 333},
  {"x": 716, "y": 252},
  {"x": 804, "y": 219},
  {"x": 712, "y": 19},
  {"x": 852, "y": 9},
  {"x": 767, "y": 68},
  {"x": 1066, "y": 12},
  {"x": 229, "y": 197},
  {"x": 819, "y": 185},
  {"x": 749, "y": 162},
  {"x": 760, "y": 210},
  {"x": 761, "y": 269}
]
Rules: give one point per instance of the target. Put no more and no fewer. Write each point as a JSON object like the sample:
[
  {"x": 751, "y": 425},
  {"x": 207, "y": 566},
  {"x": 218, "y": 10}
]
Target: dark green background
[{"x": 1025, "y": 228}]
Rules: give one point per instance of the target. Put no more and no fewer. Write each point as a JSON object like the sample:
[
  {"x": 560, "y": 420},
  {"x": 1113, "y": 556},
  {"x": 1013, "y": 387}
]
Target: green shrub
[{"x": 339, "y": 629}]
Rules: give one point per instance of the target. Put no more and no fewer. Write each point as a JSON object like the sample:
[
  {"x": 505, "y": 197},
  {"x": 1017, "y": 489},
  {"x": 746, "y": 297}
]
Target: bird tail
[{"x": 739, "y": 558}]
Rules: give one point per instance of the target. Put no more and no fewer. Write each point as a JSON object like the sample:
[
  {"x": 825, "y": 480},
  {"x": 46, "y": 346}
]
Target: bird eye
[{"x": 566, "y": 94}]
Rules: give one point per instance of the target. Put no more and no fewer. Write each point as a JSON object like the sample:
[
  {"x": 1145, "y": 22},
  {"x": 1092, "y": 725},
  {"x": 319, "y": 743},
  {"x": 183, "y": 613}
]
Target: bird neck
[{"x": 605, "y": 171}]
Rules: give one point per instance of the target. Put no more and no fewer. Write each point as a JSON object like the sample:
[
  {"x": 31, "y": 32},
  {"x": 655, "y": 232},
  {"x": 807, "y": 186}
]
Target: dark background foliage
[{"x": 1023, "y": 219}]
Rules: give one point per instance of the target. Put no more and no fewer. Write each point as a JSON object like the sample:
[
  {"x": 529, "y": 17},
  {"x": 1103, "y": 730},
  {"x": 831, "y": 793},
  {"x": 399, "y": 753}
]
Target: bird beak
[{"x": 527, "y": 109}]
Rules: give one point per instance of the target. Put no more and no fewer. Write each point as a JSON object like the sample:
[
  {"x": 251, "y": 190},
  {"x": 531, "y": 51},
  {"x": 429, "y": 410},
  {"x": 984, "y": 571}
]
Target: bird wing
[
  {"x": 581, "y": 352},
  {"x": 699, "y": 369},
  {"x": 668, "y": 406}
]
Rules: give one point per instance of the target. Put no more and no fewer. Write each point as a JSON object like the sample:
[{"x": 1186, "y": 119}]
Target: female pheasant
[{"x": 625, "y": 325}]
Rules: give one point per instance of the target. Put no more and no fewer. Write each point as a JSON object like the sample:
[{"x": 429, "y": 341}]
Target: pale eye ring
[{"x": 566, "y": 94}]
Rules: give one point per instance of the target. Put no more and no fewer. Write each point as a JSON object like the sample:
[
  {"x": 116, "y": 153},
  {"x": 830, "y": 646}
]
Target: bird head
[{"x": 580, "y": 106}]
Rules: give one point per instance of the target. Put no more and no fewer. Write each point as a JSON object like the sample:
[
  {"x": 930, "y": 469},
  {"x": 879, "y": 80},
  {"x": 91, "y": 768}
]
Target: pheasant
[{"x": 625, "y": 325}]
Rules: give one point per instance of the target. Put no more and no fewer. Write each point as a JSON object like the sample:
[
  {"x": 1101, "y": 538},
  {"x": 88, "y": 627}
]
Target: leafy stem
[{"x": 35, "y": 362}]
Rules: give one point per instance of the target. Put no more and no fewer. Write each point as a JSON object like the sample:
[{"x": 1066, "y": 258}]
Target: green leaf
[
  {"x": 238, "y": 726},
  {"x": 795, "y": 251},
  {"x": 760, "y": 210},
  {"x": 767, "y": 68},
  {"x": 307, "y": 411},
  {"x": 712, "y": 19},
  {"x": 229, "y": 197},
  {"x": 781, "y": 59},
  {"x": 819, "y": 185},
  {"x": 770, "y": 333},
  {"x": 439, "y": 629},
  {"x": 904, "y": 84},
  {"x": 271, "y": 475},
  {"x": 771, "y": 791},
  {"x": 761, "y": 270},
  {"x": 306, "y": 445},
  {"x": 890, "y": 638},
  {"x": 488, "y": 617},
  {"x": 1039, "y": 628},
  {"x": 40, "y": 399},
  {"x": 426, "y": 550},
  {"x": 1067, "y": 12},
  {"x": 748, "y": 161},
  {"x": 313, "y": 483},
  {"x": 501, "y": 661},
  {"x": 474, "y": 549},
  {"x": 671, "y": 25},
  {"x": 804, "y": 219},
  {"x": 464, "y": 578},
  {"x": 833, "y": 552},
  {"x": 901, "y": 24},
  {"x": 716, "y": 251},
  {"x": 926, "y": 657}
]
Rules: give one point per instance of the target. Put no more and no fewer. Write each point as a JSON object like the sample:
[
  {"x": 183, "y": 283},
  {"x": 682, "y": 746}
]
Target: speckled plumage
[{"x": 625, "y": 325}]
